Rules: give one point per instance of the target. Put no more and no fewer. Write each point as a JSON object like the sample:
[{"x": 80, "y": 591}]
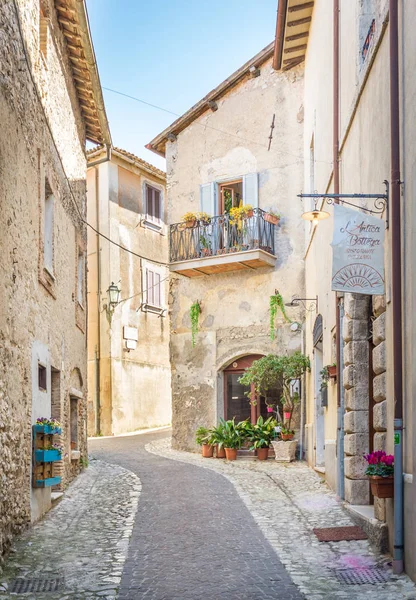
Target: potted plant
[
  {"x": 189, "y": 219},
  {"x": 234, "y": 436},
  {"x": 260, "y": 435},
  {"x": 206, "y": 246},
  {"x": 203, "y": 438},
  {"x": 218, "y": 438},
  {"x": 272, "y": 217},
  {"x": 381, "y": 473},
  {"x": 239, "y": 213},
  {"x": 203, "y": 218},
  {"x": 332, "y": 370},
  {"x": 287, "y": 435},
  {"x": 269, "y": 407}
]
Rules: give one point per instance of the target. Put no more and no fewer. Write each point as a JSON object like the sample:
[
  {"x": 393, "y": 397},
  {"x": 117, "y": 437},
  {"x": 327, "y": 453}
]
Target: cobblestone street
[{"x": 144, "y": 521}]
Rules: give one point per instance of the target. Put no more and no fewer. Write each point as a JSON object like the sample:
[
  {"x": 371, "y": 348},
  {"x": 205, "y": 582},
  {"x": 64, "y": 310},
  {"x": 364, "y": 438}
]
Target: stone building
[
  {"x": 218, "y": 157},
  {"x": 128, "y": 348},
  {"x": 360, "y": 417},
  {"x": 50, "y": 103}
]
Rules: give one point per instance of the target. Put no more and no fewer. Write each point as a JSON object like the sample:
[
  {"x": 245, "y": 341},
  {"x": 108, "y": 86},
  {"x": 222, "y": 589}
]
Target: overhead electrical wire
[{"x": 150, "y": 260}]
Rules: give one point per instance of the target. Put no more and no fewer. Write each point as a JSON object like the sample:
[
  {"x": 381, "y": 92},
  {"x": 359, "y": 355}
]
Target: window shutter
[
  {"x": 149, "y": 201},
  {"x": 157, "y": 299},
  {"x": 156, "y": 198},
  {"x": 208, "y": 193},
  {"x": 251, "y": 189}
]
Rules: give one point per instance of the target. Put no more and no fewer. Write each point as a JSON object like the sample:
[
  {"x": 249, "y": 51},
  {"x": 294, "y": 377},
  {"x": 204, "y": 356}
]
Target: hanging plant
[
  {"x": 195, "y": 311},
  {"x": 276, "y": 303}
]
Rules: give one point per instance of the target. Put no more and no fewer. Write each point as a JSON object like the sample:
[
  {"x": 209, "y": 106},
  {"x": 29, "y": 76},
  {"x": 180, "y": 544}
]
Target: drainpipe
[
  {"x": 339, "y": 341},
  {"x": 98, "y": 351},
  {"x": 341, "y": 410},
  {"x": 396, "y": 283}
]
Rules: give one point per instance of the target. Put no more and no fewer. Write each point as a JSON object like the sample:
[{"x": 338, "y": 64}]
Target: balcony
[{"x": 222, "y": 245}]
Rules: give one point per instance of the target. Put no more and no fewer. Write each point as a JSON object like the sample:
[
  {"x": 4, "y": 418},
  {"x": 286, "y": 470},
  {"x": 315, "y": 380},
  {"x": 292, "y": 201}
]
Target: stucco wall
[
  {"x": 134, "y": 388},
  {"x": 34, "y": 317},
  {"x": 234, "y": 321},
  {"x": 364, "y": 164}
]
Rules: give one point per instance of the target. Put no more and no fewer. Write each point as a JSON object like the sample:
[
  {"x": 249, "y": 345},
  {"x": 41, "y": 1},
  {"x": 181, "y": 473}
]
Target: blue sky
[{"x": 170, "y": 53}]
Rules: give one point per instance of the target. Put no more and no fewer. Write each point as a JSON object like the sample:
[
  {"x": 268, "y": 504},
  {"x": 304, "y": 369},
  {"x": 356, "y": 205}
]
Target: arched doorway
[{"x": 236, "y": 402}]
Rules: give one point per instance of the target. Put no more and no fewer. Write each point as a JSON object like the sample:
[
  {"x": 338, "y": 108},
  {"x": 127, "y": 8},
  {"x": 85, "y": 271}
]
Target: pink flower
[{"x": 388, "y": 460}]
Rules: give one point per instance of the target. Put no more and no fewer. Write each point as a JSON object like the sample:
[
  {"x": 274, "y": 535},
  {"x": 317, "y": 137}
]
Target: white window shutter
[
  {"x": 251, "y": 189},
  {"x": 208, "y": 198}
]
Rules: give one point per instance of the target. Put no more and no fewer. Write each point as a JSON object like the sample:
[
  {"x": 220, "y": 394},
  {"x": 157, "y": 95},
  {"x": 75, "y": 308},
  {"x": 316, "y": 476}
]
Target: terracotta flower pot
[
  {"x": 207, "y": 451},
  {"x": 382, "y": 487},
  {"x": 287, "y": 437},
  {"x": 220, "y": 452},
  {"x": 190, "y": 224},
  {"x": 332, "y": 371},
  {"x": 249, "y": 214},
  {"x": 262, "y": 453},
  {"x": 231, "y": 453},
  {"x": 271, "y": 218}
]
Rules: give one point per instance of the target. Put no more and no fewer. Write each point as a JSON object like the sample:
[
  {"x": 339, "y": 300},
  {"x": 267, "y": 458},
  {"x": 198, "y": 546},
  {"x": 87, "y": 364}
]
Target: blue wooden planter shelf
[
  {"x": 47, "y": 429},
  {"x": 47, "y": 455},
  {"x": 43, "y": 483}
]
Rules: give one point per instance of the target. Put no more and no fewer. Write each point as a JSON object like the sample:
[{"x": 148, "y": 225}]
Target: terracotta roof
[
  {"x": 292, "y": 32},
  {"x": 94, "y": 153},
  {"x": 158, "y": 144},
  {"x": 73, "y": 21}
]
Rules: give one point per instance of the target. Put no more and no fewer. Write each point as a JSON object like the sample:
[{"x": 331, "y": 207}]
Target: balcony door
[{"x": 230, "y": 195}]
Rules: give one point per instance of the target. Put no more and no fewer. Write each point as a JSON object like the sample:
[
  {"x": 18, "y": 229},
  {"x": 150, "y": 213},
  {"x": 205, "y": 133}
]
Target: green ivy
[
  {"x": 276, "y": 302},
  {"x": 194, "y": 313}
]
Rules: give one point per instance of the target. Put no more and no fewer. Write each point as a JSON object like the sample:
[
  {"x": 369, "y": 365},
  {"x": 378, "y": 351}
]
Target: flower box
[
  {"x": 49, "y": 482},
  {"x": 274, "y": 219},
  {"x": 382, "y": 487},
  {"x": 47, "y": 429},
  {"x": 47, "y": 455},
  {"x": 332, "y": 371}
]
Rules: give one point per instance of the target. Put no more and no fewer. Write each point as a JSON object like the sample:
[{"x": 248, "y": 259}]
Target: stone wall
[
  {"x": 36, "y": 318},
  {"x": 356, "y": 384},
  {"x": 379, "y": 388}
]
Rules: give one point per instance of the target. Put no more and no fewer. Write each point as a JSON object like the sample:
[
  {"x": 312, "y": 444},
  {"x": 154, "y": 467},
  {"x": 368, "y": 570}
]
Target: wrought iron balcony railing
[{"x": 220, "y": 236}]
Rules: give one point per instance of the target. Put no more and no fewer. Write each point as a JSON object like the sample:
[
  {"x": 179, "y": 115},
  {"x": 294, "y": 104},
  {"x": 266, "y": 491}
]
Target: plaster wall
[
  {"x": 225, "y": 145},
  {"x": 134, "y": 385},
  {"x": 364, "y": 164},
  {"x": 38, "y": 315}
]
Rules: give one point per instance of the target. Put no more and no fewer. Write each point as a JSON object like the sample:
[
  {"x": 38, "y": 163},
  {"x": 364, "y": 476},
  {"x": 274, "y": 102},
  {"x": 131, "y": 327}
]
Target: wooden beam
[
  {"x": 303, "y": 6},
  {"x": 293, "y": 63},
  {"x": 296, "y": 48},
  {"x": 297, "y": 36},
  {"x": 299, "y": 22},
  {"x": 294, "y": 59}
]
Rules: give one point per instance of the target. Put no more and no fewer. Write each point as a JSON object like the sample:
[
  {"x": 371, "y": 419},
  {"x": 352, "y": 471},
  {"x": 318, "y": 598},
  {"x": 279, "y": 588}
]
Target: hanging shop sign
[{"x": 358, "y": 252}]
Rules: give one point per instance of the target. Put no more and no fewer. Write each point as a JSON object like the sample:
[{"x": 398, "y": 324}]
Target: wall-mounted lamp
[
  {"x": 296, "y": 301},
  {"x": 113, "y": 293}
]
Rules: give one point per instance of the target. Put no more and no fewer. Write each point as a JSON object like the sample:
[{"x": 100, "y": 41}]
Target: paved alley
[{"x": 144, "y": 521}]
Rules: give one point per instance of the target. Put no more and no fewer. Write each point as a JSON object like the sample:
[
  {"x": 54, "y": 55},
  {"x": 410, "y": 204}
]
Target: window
[
  {"x": 43, "y": 34},
  {"x": 48, "y": 230},
  {"x": 42, "y": 377},
  {"x": 80, "y": 278},
  {"x": 153, "y": 204},
  {"x": 153, "y": 288}
]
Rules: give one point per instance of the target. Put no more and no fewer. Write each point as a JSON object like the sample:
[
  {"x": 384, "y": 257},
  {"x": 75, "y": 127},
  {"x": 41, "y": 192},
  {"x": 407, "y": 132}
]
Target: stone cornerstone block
[
  {"x": 379, "y": 358},
  {"x": 356, "y": 444},
  {"x": 357, "y": 491},
  {"x": 355, "y": 467},
  {"x": 354, "y": 329},
  {"x": 348, "y": 377},
  {"x": 356, "y": 353},
  {"x": 356, "y": 399},
  {"x": 380, "y": 440},
  {"x": 356, "y": 421},
  {"x": 379, "y": 329},
  {"x": 380, "y": 509},
  {"x": 379, "y": 388},
  {"x": 356, "y": 306},
  {"x": 379, "y": 305},
  {"x": 380, "y": 416}
]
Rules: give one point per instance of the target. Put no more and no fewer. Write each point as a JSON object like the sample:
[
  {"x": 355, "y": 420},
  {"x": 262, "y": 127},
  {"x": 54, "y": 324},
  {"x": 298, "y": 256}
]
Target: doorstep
[
  {"x": 56, "y": 497},
  {"x": 377, "y": 531}
]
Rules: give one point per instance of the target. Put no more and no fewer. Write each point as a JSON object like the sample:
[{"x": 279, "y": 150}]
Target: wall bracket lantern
[
  {"x": 113, "y": 293},
  {"x": 380, "y": 204},
  {"x": 296, "y": 301}
]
